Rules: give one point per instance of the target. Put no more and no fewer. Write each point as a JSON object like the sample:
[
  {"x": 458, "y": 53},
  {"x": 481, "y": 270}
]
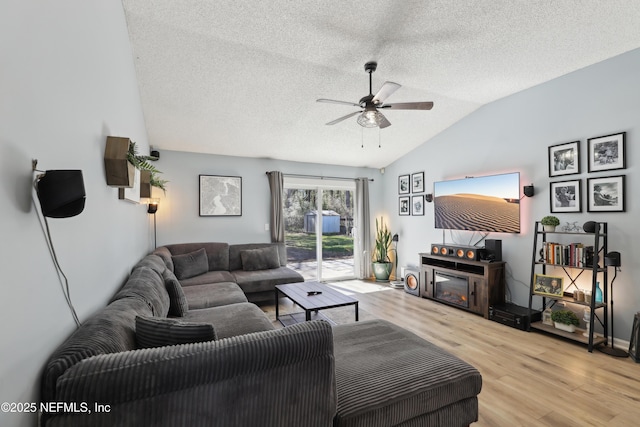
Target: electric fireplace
[{"x": 451, "y": 288}]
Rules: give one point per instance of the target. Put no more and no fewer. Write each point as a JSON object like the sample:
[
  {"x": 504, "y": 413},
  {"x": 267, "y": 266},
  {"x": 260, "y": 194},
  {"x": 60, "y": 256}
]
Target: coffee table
[{"x": 312, "y": 297}]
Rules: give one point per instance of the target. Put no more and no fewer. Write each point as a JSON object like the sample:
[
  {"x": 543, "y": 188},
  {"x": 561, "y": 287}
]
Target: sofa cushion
[
  {"x": 232, "y": 320},
  {"x": 111, "y": 330},
  {"x": 235, "y": 261},
  {"x": 265, "y": 280},
  {"x": 260, "y": 259},
  {"x": 161, "y": 331},
  {"x": 191, "y": 264},
  {"x": 213, "y": 295},
  {"x": 178, "y": 304},
  {"x": 153, "y": 262},
  {"x": 208, "y": 278},
  {"x": 402, "y": 376},
  {"x": 165, "y": 255},
  {"x": 148, "y": 285},
  {"x": 217, "y": 253}
]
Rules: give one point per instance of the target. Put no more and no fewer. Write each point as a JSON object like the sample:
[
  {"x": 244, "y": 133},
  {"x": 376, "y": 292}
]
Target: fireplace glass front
[{"x": 451, "y": 289}]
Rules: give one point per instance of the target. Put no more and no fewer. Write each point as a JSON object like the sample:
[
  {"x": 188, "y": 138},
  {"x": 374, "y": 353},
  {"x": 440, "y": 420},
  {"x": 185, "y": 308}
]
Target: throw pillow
[
  {"x": 191, "y": 264},
  {"x": 161, "y": 331},
  {"x": 178, "y": 305},
  {"x": 260, "y": 259}
]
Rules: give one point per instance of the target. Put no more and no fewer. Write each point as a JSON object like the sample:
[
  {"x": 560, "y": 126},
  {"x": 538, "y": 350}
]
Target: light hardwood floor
[{"x": 529, "y": 378}]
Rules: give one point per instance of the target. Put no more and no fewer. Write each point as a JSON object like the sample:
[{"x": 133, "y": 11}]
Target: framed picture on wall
[
  {"x": 564, "y": 159},
  {"x": 220, "y": 195},
  {"x": 403, "y": 205},
  {"x": 403, "y": 184},
  {"x": 607, "y": 152},
  {"x": 565, "y": 196},
  {"x": 417, "y": 182},
  {"x": 417, "y": 205},
  {"x": 606, "y": 194}
]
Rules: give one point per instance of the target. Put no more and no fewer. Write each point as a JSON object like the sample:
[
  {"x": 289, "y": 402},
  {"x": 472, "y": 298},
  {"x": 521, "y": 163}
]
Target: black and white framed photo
[
  {"x": 403, "y": 205},
  {"x": 564, "y": 159},
  {"x": 403, "y": 184},
  {"x": 417, "y": 182},
  {"x": 606, "y": 194},
  {"x": 220, "y": 195},
  {"x": 565, "y": 196},
  {"x": 417, "y": 205},
  {"x": 607, "y": 152}
]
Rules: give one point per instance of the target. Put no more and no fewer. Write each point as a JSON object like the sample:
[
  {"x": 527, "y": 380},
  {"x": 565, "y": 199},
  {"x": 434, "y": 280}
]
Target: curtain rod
[{"x": 319, "y": 176}]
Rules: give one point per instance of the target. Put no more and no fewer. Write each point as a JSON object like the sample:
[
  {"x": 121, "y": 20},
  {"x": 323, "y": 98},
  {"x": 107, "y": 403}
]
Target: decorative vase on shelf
[
  {"x": 549, "y": 228},
  {"x": 598, "y": 293}
]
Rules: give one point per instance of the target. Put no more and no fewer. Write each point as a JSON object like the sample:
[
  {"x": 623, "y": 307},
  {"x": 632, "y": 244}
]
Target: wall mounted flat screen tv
[{"x": 486, "y": 203}]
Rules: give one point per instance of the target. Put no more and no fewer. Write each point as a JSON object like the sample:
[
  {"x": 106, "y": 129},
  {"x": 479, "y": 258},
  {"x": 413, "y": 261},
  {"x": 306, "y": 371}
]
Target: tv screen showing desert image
[{"x": 487, "y": 203}]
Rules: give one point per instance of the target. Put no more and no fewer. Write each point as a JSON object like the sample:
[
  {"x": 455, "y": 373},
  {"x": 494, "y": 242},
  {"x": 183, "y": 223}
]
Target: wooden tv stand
[{"x": 484, "y": 282}]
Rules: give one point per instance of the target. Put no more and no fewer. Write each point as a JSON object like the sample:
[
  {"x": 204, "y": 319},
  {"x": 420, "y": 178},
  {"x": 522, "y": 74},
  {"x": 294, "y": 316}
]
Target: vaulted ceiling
[{"x": 241, "y": 77}]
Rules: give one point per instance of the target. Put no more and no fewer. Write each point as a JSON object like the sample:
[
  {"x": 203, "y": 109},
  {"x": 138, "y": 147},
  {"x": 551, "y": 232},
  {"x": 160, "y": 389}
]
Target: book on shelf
[{"x": 571, "y": 255}]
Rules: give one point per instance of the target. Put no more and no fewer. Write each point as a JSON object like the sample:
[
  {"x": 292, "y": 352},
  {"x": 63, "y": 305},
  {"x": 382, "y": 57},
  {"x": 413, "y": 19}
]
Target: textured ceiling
[{"x": 241, "y": 78}]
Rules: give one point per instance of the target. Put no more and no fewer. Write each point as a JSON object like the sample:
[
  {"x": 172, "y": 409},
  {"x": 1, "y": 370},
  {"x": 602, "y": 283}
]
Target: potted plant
[
  {"x": 549, "y": 223},
  {"x": 382, "y": 265},
  {"x": 565, "y": 320}
]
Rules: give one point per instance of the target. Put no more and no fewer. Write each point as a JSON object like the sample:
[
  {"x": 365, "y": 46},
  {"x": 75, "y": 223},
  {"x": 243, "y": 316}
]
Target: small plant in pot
[
  {"x": 565, "y": 320},
  {"x": 549, "y": 223},
  {"x": 382, "y": 265}
]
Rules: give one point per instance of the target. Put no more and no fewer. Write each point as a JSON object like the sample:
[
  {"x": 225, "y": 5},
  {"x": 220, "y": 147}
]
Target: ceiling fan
[{"x": 370, "y": 117}]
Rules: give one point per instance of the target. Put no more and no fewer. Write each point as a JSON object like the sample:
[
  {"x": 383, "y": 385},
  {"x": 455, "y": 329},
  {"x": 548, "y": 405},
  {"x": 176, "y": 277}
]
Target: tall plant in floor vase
[{"x": 382, "y": 265}]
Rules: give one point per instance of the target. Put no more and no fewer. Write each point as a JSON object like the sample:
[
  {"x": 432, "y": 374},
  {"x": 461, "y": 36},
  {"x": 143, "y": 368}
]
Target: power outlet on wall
[{"x": 266, "y": 227}]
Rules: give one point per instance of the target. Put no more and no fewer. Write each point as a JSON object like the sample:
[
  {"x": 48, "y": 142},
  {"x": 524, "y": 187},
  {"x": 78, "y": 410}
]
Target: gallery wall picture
[
  {"x": 564, "y": 159},
  {"x": 565, "y": 196},
  {"x": 417, "y": 205},
  {"x": 607, "y": 152},
  {"x": 417, "y": 182},
  {"x": 220, "y": 195},
  {"x": 606, "y": 194},
  {"x": 403, "y": 205},
  {"x": 404, "y": 184}
]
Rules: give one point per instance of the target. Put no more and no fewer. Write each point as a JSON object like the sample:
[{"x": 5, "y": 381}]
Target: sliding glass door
[{"x": 318, "y": 227}]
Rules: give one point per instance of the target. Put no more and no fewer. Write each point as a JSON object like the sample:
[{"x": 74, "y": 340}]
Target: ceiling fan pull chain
[
  {"x": 379, "y": 144},
  {"x": 361, "y": 137}
]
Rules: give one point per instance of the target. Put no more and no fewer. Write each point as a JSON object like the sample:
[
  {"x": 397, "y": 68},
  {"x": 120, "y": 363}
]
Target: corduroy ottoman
[{"x": 388, "y": 376}]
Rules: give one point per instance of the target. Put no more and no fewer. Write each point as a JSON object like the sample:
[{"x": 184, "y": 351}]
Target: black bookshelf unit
[{"x": 563, "y": 260}]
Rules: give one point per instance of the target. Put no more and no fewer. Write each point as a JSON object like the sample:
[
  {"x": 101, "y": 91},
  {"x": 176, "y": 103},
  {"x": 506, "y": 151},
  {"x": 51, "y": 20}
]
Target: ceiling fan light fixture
[{"x": 369, "y": 119}]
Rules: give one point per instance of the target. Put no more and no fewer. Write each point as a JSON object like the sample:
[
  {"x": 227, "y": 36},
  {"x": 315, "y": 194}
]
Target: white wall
[
  {"x": 177, "y": 217},
  {"x": 513, "y": 134},
  {"x": 67, "y": 82}
]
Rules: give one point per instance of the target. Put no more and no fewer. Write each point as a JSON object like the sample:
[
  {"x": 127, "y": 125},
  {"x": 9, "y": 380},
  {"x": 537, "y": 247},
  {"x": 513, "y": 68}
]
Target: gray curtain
[
  {"x": 362, "y": 230},
  {"x": 277, "y": 206}
]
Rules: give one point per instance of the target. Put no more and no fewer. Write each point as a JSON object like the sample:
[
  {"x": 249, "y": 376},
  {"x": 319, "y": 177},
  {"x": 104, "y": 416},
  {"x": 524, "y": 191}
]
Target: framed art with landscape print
[
  {"x": 564, "y": 159},
  {"x": 565, "y": 196},
  {"x": 220, "y": 195},
  {"x": 606, "y": 152},
  {"x": 606, "y": 194},
  {"x": 547, "y": 285}
]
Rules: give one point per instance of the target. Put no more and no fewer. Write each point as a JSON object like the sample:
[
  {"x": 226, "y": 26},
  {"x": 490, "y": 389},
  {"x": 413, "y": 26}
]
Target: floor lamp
[
  {"x": 396, "y": 283},
  {"x": 612, "y": 259},
  {"x": 152, "y": 209}
]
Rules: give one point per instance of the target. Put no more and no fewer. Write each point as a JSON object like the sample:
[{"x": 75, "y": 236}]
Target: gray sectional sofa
[{"x": 160, "y": 355}]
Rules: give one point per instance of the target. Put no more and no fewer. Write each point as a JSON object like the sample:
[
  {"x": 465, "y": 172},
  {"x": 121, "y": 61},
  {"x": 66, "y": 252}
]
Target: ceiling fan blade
[
  {"x": 383, "y": 122},
  {"x": 344, "y": 117},
  {"x": 409, "y": 106},
  {"x": 387, "y": 89},
  {"x": 333, "y": 101}
]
